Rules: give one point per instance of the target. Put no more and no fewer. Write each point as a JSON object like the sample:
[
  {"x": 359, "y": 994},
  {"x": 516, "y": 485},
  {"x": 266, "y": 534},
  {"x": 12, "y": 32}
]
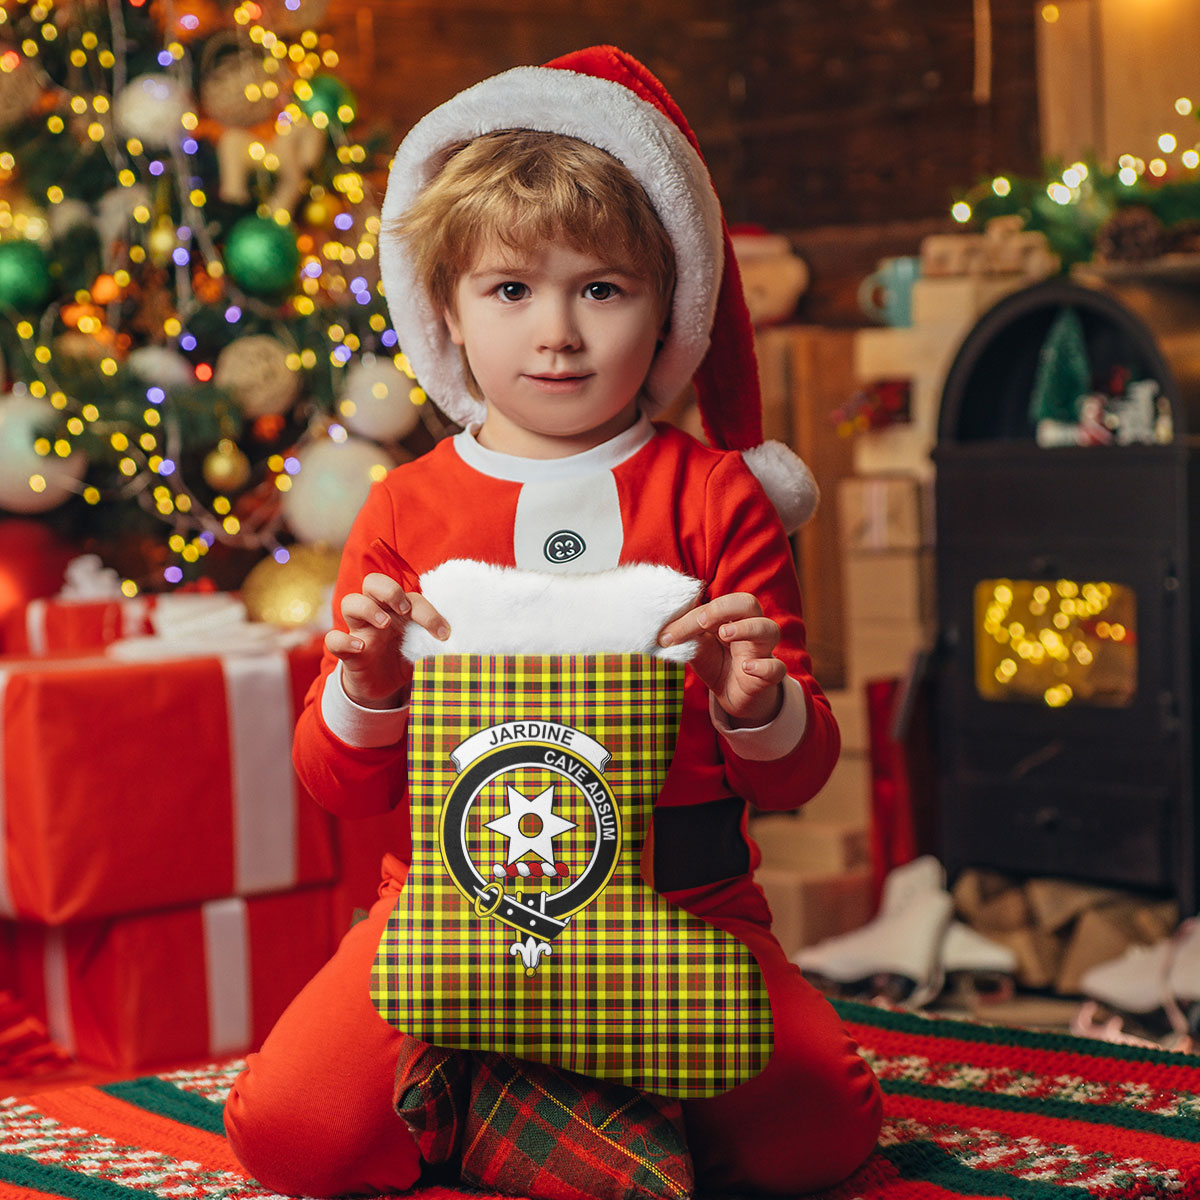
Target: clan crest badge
[{"x": 529, "y": 831}]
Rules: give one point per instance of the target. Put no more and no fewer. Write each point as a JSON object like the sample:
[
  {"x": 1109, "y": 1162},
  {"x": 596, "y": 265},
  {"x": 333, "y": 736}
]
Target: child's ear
[{"x": 452, "y": 327}]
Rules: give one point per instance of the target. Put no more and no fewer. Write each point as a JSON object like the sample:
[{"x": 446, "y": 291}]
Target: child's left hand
[{"x": 734, "y": 655}]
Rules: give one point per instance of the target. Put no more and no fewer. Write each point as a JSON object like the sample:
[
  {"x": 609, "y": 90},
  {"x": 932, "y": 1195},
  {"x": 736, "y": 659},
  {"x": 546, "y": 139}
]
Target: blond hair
[{"x": 520, "y": 188}]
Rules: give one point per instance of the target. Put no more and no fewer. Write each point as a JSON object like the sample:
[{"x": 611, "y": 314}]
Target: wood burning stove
[{"x": 1067, "y": 664}]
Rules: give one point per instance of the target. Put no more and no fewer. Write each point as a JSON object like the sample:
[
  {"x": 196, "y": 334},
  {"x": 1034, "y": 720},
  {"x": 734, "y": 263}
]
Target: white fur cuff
[{"x": 503, "y": 610}]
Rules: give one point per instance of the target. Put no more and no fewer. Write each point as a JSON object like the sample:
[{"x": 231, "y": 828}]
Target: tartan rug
[{"x": 971, "y": 1111}]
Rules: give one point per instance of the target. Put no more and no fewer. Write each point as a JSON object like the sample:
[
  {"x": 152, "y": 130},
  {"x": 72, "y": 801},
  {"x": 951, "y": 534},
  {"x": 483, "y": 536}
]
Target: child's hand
[
  {"x": 374, "y": 674},
  {"x": 734, "y": 655}
]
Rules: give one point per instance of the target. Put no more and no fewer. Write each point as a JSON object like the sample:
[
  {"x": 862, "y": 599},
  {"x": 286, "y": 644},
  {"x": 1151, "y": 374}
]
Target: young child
[{"x": 557, "y": 267}]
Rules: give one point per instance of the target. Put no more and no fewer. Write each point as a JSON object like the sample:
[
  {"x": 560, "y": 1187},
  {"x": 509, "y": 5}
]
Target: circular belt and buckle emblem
[{"x": 531, "y": 811}]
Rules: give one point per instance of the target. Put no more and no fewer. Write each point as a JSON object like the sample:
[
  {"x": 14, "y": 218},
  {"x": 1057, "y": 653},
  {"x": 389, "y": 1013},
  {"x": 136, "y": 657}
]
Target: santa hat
[{"x": 607, "y": 98}]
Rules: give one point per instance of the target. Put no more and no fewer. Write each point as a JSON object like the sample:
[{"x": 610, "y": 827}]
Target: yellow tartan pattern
[{"x": 634, "y": 989}]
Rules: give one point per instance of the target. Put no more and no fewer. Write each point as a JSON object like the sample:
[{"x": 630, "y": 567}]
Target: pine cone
[{"x": 1132, "y": 234}]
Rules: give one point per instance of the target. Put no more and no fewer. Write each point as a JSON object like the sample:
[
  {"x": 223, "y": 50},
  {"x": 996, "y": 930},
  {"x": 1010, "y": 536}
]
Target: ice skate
[
  {"x": 978, "y": 965},
  {"x": 1154, "y": 989},
  {"x": 898, "y": 953}
]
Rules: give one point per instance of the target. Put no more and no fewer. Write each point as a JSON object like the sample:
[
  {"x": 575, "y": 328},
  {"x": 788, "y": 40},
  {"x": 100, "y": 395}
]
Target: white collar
[{"x": 514, "y": 469}]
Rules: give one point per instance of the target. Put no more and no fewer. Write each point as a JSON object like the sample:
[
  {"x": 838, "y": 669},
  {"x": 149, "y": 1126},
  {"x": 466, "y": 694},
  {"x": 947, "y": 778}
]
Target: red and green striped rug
[{"x": 972, "y": 1110}]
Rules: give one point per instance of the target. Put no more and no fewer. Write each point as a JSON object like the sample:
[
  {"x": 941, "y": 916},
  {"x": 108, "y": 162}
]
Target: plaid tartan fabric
[
  {"x": 534, "y": 1131},
  {"x": 563, "y": 753},
  {"x": 432, "y": 1087}
]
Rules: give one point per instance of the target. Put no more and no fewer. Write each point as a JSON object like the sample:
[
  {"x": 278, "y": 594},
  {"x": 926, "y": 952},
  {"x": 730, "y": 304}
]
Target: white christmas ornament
[
  {"x": 151, "y": 108},
  {"x": 114, "y": 217},
  {"x": 66, "y": 215},
  {"x": 375, "y": 400},
  {"x": 228, "y": 85},
  {"x": 29, "y": 482},
  {"x": 255, "y": 370},
  {"x": 332, "y": 483},
  {"x": 162, "y": 366}
]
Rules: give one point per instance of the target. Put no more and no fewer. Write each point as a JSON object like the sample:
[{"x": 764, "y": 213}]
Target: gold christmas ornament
[
  {"x": 161, "y": 242},
  {"x": 236, "y": 88},
  {"x": 225, "y": 467},
  {"x": 295, "y": 593},
  {"x": 255, "y": 370},
  {"x": 318, "y": 213}
]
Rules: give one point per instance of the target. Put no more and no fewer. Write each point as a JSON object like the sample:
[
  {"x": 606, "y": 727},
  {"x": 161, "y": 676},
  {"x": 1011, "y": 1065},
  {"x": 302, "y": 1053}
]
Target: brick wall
[{"x": 810, "y": 114}]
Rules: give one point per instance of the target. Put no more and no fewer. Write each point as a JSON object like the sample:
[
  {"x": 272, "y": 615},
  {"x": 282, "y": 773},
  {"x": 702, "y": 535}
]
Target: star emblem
[{"x": 530, "y": 825}]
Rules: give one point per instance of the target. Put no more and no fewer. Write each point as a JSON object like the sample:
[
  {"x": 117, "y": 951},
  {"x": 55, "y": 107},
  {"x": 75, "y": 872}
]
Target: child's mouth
[{"x": 558, "y": 383}]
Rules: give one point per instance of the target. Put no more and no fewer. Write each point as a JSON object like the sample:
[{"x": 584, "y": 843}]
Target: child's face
[{"x": 559, "y": 343}]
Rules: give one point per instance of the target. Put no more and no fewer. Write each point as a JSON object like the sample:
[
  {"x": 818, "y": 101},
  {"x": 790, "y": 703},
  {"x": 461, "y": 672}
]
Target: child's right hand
[{"x": 374, "y": 673}]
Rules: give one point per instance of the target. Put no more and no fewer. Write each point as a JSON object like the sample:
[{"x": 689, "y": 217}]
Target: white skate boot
[
  {"x": 1155, "y": 987},
  {"x": 979, "y": 966},
  {"x": 898, "y": 953}
]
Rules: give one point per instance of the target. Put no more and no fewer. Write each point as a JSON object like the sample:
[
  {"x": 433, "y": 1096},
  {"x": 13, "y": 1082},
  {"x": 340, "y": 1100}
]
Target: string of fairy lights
[
  {"x": 295, "y": 279},
  {"x": 1071, "y": 186},
  {"x": 1045, "y": 637}
]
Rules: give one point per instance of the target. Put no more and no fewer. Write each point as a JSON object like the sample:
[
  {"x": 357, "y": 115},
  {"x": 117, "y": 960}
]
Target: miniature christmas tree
[
  {"x": 1063, "y": 375},
  {"x": 194, "y": 345}
]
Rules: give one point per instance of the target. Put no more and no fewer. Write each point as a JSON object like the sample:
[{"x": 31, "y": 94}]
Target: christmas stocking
[{"x": 525, "y": 926}]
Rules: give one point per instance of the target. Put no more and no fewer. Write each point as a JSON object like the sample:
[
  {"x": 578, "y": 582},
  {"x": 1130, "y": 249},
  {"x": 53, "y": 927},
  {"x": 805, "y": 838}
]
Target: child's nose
[{"x": 557, "y": 328}]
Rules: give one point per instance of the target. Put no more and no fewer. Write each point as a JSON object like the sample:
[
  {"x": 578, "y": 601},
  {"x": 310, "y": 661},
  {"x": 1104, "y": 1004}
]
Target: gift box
[
  {"x": 130, "y": 786},
  {"x": 807, "y": 908},
  {"x": 885, "y": 512},
  {"x": 183, "y": 985},
  {"x": 48, "y": 625},
  {"x": 887, "y": 586}
]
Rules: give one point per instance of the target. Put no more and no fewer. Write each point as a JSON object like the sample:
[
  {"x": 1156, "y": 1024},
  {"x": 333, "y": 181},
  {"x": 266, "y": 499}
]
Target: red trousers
[{"x": 312, "y": 1113}]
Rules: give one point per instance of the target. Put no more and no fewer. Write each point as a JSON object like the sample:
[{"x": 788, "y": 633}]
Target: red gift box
[
  {"x": 173, "y": 987},
  {"x": 52, "y": 625},
  {"x": 131, "y": 786}
]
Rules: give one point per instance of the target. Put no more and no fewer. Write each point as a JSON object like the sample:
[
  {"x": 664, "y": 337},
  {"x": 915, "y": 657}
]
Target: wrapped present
[
  {"x": 172, "y": 987},
  {"x": 52, "y": 624},
  {"x": 129, "y": 786},
  {"x": 88, "y": 611},
  {"x": 884, "y": 512},
  {"x": 139, "y": 626}
]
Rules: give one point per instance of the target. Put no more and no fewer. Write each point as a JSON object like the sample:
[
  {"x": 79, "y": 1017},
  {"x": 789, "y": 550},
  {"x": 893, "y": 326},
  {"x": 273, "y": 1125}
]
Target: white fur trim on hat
[
  {"x": 619, "y": 611},
  {"x": 786, "y": 479},
  {"x": 604, "y": 114}
]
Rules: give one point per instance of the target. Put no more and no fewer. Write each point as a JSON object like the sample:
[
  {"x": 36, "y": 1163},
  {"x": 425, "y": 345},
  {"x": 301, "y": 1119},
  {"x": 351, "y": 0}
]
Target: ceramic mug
[{"x": 886, "y": 294}]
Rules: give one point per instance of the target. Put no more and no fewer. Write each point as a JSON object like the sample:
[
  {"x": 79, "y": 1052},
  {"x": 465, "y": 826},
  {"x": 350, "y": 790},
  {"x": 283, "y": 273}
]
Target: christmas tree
[{"x": 196, "y": 357}]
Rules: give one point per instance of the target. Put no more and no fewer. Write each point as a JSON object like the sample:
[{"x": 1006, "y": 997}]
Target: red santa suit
[
  {"x": 313, "y": 1112},
  {"x": 651, "y": 495}
]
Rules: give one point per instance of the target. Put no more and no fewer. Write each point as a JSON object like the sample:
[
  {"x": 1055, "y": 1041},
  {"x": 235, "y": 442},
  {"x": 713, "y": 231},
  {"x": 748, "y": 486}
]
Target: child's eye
[
  {"x": 512, "y": 291},
  {"x": 601, "y": 291}
]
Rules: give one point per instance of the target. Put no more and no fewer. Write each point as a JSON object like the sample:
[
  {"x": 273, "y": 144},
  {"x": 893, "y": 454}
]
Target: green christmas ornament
[
  {"x": 24, "y": 275},
  {"x": 1064, "y": 375},
  {"x": 262, "y": 256},
  {"x": 328, "y": 95}
]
